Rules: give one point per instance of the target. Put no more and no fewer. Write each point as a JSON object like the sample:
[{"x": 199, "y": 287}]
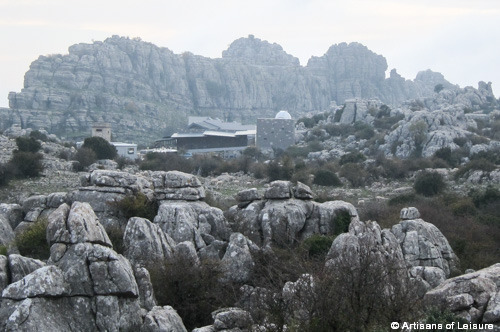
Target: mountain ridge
[{"x": 141, "y": 88}]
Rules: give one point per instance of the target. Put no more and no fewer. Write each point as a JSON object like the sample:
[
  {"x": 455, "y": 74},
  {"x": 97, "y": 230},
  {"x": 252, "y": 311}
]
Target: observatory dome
[{"x": 283, "y": 115}]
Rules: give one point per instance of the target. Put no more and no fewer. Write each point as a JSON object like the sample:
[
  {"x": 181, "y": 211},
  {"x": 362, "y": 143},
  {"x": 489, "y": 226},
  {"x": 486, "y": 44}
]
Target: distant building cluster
[{"x": 103, "y": 130}]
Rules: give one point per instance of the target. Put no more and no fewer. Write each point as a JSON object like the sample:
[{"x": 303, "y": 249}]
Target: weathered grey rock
[
  {"x": 472, "y": 296},
  {"x": 101, "y": 199},
  {"x": 50, "y": 314},
  {"x": 93, "y": 269},
  {"x": 433, "y": 276},
  {"x": 248, "y": 195},
  {"x": 4, "y": 272},
  {"x": 146, "y": 244},
  {"x": 117, "y": 314},
  {"x": 279, "y": 190},
  {"x": 34, "y": 202},
  {"x": 302, "y": 191},
  {"x": 146, "y": 294},
  {"x": 176, "y": 179},
  {"x": 76, "y": 225},
  {"x": 299, "y": 298},
  {"x": 213, "y": 252},
  {"x": 186, "y": 221},
  {"x": 108, "y": 178},
  {"x": 282, "y": 221},
  {"x": 162, "y": 319},
  {"x": 20, "y": 266},
  {"x": 12, "y": 213},
  {"x": 492, "y": 313},
  {"x": 47, "y": 281},
  {"x": 323, "y": 220},
  {"x": 246, "y": 220},
  {"x": 186, "y": 252},
  {"x": 232, "y": 318},
  {"x": 409, "y": 213},
  {"x": 237, "y": 261},
  {"x": 424, "y": 245},
  {"x": 54, "y": 200},
  {"x": 7, "y": 235}
]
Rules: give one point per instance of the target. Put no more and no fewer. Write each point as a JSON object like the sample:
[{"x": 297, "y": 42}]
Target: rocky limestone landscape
[{"x": 385, "y": 210}]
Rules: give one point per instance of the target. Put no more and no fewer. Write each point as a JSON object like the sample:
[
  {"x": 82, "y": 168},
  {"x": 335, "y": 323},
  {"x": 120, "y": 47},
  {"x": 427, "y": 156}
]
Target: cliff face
[{"x": 145, "y": 90}]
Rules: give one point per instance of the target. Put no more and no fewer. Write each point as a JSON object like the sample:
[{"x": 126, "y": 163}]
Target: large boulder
[
  {"x": 423, "y": 244},
  {"x": 20, "y": 266},
  {"x": 146, "y": 244},
  {"x": 162, "y": 319},
  {"x": 237, "y": 261},
  {"x": 187, "y": 221},
  {"x": 77, "y": 224},
  {"x": 47, "y": 281},
  {"x": 473, "y": 296},
  {"x": 13, "y": 213}
]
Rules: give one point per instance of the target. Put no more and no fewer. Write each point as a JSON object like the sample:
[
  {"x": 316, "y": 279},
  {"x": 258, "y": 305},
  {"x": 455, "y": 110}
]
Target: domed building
[{"x": 277, "y": 133}]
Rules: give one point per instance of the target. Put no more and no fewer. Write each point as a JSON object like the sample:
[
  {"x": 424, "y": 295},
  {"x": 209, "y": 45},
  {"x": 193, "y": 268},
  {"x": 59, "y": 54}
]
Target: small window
[
  {"x": 131, "y": 150},
  {"x": 99, "y": 130}
]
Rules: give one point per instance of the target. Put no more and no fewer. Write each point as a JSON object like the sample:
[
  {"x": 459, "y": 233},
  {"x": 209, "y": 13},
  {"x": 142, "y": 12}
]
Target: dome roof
[{"x": 283, "y": 115}]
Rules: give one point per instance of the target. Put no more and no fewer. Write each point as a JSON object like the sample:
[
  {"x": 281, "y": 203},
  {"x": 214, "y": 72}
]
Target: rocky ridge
[{"x": 136, "y": 85}]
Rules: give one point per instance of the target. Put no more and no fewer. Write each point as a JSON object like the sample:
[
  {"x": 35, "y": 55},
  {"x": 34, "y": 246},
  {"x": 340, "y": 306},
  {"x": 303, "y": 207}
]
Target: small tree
[
  {"x": 27, "y": 144},
  {"x": 429, "y": 183},
  {"x": 26, "y": 164},
  {"x": 102, "y": 148}
]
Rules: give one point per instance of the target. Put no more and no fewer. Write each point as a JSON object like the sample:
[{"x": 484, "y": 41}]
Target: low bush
[
  {"x": 5, "y": 175},
  {"x": 32, "y": 242},
  {"x": 27, "y": 144},
  {"x": 26, "y": 164},
  {"x": 194, "y": 291},
  {"x": 355, "y": 174},
  {"x": 137, "y": 206},
  {"x": 352, "y": 157},
  {"x": 341, "y": 222},
  {"x": 429, "y": 183},
  {"x": 480, "y": 164},
  {"x": 317, "y": 246},
  {"x": 325, "y": 177},
  {"x": 85, "y": 157}
]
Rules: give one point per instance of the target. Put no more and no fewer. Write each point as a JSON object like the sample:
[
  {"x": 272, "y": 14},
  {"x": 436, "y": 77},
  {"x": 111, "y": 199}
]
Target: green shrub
[
  {"x": 137, "y": 206},
  {"x": 363, "y": 130},
  {"x": 36, "y": 134},
  {"x": 3, "y": 250},
  {"x": 324, "y": 177},
  {"x": 317, "y": 246},
  {"x": 166, "y": 162},
  {"x": 32, "y": 242},
  {"x": 85, "y": 158},
  {"x": 27, "y": 144},
  {"x": 475, "y": 165},
  {"x": 488, "y": 196},
  {"x": 447, "y": 155},
  {"x": 402, "y": 199},
  {"x": 102, "y": 148},
  {"x": 429, "y": 183},
  {"x": 355, "y": 174},
  {"x": 26, "y": 164},
  {"x": 115, "y": 234},
  {"x": 352, "y": 157},
  {"x": 5, "y": 175},
  {"x": 341, "y": 222}
]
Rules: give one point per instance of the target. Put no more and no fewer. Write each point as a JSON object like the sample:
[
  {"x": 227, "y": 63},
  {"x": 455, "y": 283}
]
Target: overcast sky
[{"x": 458, "y": 38}]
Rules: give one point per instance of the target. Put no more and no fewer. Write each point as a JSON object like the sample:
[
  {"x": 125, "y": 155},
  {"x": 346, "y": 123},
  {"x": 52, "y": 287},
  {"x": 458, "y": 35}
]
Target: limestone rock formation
[
  {"x": 162, "y": 319},
  {"x": 286, "y": 215},
  {"x": 136, "y": 85},
  {"x": 473, "y": 296}
]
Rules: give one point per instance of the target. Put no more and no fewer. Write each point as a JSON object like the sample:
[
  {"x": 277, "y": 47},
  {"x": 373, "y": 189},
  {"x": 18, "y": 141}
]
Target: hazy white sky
[{"x": 458, "y": 38}]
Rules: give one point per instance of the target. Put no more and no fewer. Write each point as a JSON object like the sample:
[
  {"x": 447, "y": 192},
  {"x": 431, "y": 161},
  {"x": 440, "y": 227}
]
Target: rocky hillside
[{"x": 144, "y": 90}]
